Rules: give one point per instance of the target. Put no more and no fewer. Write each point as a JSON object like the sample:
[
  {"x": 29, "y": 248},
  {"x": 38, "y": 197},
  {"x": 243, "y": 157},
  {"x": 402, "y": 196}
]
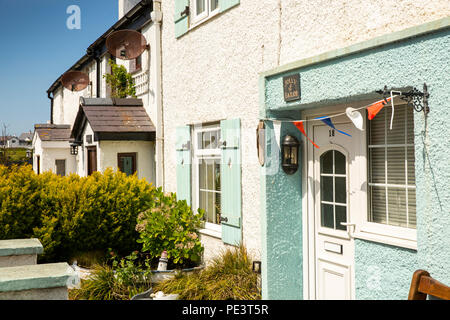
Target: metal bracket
[
  {"x": 185, "y": 11},
  {"x": 222, "y": 144},
  {"x": 417, "y": 99},
  {"x": 186, "y": 146},
  {"x": 414, "y": 98}
]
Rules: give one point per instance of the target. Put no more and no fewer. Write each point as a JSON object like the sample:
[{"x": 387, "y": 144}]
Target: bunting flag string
[
  {"x": 352, "y": 113},
  {"x": 376, "y": 107},
  {"x": 299, "y": 125},
  {"x": 330, "y": 116},
  {"x": 328, "y": 122}
]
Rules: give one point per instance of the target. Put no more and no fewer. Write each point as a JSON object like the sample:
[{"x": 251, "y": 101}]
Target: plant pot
[{"x": 162, "y": 275}]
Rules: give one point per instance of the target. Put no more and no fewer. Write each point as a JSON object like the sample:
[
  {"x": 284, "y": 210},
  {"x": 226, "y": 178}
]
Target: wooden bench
[{"x": 422, "y": 284}]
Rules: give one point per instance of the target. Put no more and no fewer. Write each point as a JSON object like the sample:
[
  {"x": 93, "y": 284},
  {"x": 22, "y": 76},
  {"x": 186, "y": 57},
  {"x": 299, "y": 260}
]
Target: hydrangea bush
[{"x": 170, "y": 225}]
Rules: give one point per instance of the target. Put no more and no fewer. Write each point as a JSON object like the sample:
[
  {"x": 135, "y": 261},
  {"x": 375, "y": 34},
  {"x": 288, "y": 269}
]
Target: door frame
[{"x": 309, "y": 249}]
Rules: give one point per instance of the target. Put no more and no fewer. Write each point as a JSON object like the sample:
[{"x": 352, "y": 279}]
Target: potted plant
[{"x": 170, "y": 226}]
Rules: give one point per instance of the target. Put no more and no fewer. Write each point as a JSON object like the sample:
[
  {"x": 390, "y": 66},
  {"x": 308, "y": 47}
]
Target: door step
[
  {"x": 35, "y": 282},
  {"x": 19, "y": 252}
]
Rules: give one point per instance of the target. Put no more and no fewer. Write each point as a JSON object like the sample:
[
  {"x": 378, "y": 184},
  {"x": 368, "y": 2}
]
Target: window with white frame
[
  {"x": 392, "y": 190},
  {"x": 206, "y": 172},
  {"x": 204, "y": 9}
]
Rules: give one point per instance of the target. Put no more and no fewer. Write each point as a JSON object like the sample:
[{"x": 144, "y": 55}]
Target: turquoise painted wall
[
  {"x": 383, "y": 271},
  {"x": 282, "y": 225},
  {"x": 409, "y": 62}
]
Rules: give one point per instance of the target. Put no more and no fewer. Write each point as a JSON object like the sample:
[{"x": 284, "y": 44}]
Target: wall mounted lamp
[{"x": 289, "y": 154}]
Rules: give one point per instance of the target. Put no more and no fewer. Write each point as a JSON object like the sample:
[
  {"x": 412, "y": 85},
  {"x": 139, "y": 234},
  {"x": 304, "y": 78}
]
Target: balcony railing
[{"x": 141, "y": 82}]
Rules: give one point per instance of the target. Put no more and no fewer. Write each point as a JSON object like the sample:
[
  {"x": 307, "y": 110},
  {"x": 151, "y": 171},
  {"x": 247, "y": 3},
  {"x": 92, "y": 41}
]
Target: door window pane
[
  {"x": 327, "y": 219},
  {"x": 341, "y": 216},
  {"x": 340, "y": 190},
  {"x": 326, "y": 162},
  {"x": 326, "y": 185},
  {"x": 333, "y": 189},
  {"x": 339, "y": 163}
]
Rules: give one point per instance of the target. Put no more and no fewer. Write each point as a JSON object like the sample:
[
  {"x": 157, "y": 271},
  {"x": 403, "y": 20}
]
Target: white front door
[{"x": 334, "y": 175}]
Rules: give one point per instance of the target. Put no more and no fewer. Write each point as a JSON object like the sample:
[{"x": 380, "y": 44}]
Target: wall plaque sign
[{"x": 291, "y": 86}]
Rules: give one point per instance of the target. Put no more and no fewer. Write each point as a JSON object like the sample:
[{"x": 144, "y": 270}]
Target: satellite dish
[
  {"x": 126, "y": 44},
  {"x": 75, "y": 80}
]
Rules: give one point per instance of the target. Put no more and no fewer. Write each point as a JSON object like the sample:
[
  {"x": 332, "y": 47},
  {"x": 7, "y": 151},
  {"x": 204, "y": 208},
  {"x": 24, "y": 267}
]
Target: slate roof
[
  {"x": 114, "y": 119},
  {"x": 53, "y": 132}
]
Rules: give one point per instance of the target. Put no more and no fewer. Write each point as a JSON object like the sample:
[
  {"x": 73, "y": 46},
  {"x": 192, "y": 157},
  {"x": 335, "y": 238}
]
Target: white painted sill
[
  {"x": 212, "y": 230},
  {"x": 390, "y": 235},
  {"x": 197, "y": 22}
]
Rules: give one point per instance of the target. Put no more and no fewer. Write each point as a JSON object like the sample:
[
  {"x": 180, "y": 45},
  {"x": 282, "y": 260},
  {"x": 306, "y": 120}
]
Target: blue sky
[{"x": 36, "y": 47}]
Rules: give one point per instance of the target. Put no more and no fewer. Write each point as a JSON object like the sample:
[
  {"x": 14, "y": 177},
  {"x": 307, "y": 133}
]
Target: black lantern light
[
  {"x": 74, "y": 148},
  {"x": 289, "y": 149}
]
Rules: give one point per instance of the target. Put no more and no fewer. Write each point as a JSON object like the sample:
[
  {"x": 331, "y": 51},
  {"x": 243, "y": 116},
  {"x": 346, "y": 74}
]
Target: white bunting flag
[{"x": 356, "y": 118}]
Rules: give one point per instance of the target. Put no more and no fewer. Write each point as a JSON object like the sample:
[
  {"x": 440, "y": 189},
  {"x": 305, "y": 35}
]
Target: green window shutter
[
  {"x": 181, "y": 20},
  {"x": 227, "y": 4},
  {"x": 183, "y": 153},
  {"x": 230, "y": 180}
]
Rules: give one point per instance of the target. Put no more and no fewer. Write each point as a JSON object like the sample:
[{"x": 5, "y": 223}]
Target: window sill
[
  {"x": 135, "y": 71},
  {"x": 390, "y": 235},
  {"x": 211, "y": 232},
  {"x": 197, "y": 22}
]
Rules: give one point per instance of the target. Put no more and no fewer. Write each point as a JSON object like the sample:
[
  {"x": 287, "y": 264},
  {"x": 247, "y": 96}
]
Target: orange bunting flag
[
  {"x": 376, "y": 107},
  {"x": 299, "y": 125}
]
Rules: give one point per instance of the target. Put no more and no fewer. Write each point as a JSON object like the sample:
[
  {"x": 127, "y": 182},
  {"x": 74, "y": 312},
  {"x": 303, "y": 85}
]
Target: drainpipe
[
  {"x": 91, "y": 52},
  {"x": 156, "y": 16},
  {"x": 51, "y": 106},
  {"x": 98, "y": 81}
]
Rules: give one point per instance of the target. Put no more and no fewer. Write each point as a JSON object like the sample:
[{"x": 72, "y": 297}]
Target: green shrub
[
  {"x": 228, "y": 276},
  {"x": 70, "y": 215},
  {"x": 91, "y": 213},
  {"x": 20, "y": 192},
  {"x": 170, "y": 225}
]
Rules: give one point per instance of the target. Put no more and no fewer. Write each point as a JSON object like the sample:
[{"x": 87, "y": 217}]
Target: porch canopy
[
  {"x": 113, "y": 119},
  {"x": 53, "y": 132}
]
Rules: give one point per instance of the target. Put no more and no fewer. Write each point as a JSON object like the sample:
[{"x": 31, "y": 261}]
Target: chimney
[{"x": 125, "y": 6}]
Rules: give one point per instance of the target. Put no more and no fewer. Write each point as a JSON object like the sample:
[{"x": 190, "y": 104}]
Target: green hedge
[{"x": 73, "y": 214}]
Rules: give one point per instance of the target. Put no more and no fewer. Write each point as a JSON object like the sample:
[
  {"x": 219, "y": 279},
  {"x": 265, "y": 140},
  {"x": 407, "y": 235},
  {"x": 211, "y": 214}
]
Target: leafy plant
[
  {"x": 170, "y": 225},
  {"x": 228, "y": 276},
  {"x": 121, "y": 281},
  {"x": 120, "y": 81}
]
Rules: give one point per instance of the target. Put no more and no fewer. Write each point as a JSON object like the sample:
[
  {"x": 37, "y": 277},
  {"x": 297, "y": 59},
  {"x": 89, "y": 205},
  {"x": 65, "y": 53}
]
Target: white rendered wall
[
  {"x": 145, "y": 157},
  {"x": 211, "y": 72},
  {"x": 49, "y": 152},
  {"x": 66, "y": 103},
  {"x": 37, "y": 150},
  {"x": 107, "y": 155}
]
